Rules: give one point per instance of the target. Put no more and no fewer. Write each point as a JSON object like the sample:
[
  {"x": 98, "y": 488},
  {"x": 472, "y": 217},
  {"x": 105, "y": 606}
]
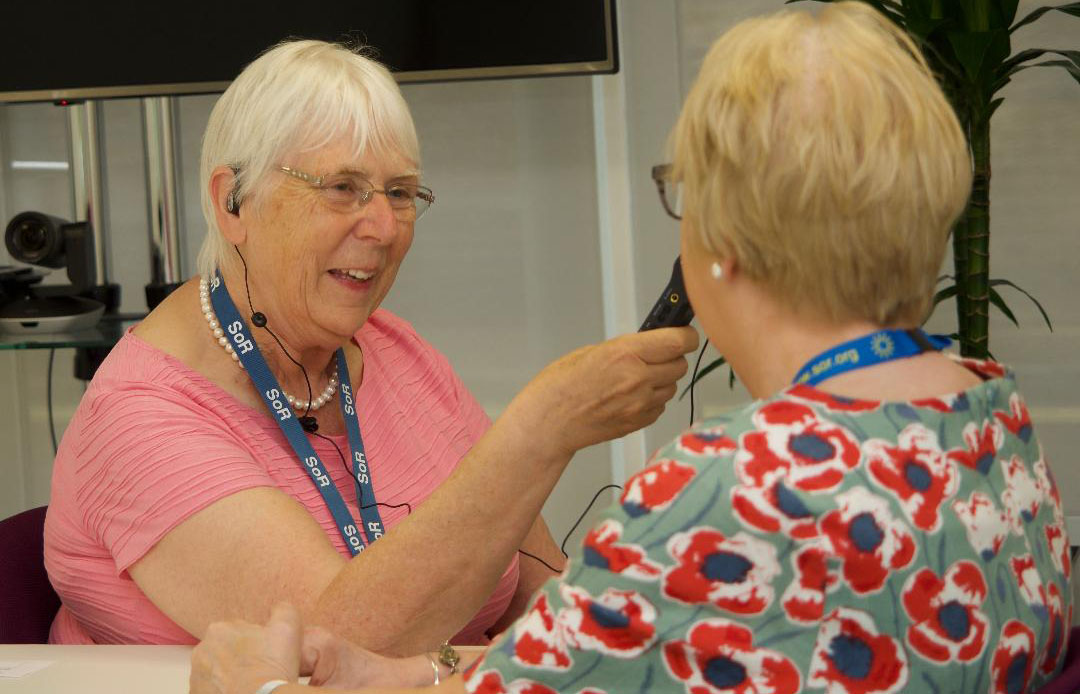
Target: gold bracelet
[
  {"x": 434, "y": 667},
  {"x": 449, "y": 657}
]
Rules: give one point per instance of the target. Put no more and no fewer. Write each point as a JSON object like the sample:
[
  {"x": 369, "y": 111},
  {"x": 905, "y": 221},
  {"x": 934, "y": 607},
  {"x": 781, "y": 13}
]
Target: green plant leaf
[
  {"x": 1072, "y": 8},
  {"x": 712, "y": 366},
  {"x": 946, "y": 293},
  {"x": 980, "y": 52},
  {"x": 1008, "y": 283},
  {"x": 996, "y": 300},
  {"x": 994, "y": 105},
  {"x": 1005, "y": 69},
  {"x": 1008, "y": 10},
  {"x": 1069, "y": 67}
]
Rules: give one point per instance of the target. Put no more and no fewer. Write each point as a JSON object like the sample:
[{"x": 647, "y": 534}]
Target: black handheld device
[{"x": 672, "y": 309}]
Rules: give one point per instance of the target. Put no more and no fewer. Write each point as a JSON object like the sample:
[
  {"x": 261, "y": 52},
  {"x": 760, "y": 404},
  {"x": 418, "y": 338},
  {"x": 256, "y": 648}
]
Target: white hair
[{"x": 298, "y": 96}]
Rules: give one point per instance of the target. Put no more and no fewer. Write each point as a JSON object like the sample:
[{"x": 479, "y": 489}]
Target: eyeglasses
[
  {"x": 670, "y": 191},
  {"x": 347, "y": 192}
]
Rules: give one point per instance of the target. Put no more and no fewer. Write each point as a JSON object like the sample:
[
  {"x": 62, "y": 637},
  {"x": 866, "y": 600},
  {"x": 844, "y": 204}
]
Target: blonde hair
[
  {"x": 297, "y": 97},
  {"x": 822, "y": 156}
]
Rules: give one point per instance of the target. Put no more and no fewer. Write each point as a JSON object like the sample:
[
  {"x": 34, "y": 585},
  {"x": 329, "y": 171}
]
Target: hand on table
[
  {"x": 239, "y": 657},
  {"x": 335, "y": 662}
]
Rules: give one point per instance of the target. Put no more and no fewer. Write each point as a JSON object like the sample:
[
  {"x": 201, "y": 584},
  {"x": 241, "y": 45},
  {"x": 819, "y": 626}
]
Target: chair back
[
  {"x": 28, "y": 602},
  {"x": 1068, "y": 681}
]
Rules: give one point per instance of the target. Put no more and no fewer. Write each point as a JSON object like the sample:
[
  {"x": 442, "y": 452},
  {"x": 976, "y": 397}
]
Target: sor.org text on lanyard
[
  {"x": 869, "y": 350},
  {"x": 274, "y": 397}
]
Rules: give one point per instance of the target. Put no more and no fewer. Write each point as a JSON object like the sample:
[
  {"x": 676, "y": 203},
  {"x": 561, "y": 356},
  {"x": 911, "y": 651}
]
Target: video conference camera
[{"x": 46, "y": 241}]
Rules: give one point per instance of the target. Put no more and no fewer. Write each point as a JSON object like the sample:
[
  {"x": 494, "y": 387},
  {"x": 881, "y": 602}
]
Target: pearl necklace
[{"x": 219, "y": 335}]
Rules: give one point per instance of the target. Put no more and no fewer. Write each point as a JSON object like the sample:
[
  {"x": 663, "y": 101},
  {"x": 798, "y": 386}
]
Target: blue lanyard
[
  {"x": 274, "y": 397},
  {"x": 869, "y": 350}
]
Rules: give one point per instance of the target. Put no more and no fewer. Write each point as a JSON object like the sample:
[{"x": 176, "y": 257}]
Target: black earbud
[
  {"x": 259, "y": 319},
  {"x": 309, "y": 424},
  {"x": 232, "y": 205}
]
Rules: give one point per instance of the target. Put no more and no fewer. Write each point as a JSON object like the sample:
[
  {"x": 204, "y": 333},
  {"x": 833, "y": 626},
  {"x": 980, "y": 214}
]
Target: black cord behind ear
[{"x": 258, "y": 318}]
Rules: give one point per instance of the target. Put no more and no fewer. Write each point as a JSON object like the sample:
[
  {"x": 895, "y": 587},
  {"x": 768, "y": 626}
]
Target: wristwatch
[{"x": 449, "y": 657}]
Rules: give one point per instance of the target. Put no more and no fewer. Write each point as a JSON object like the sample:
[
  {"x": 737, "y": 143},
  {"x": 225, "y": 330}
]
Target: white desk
[
  {"x": 101, "y": 669},
  {"x": 110, "y": 669}
]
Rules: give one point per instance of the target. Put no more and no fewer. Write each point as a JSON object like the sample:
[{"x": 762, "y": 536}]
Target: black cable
[
  {"x": 48, "y": 398},
  {"x": 562, "y": 547},
  {"x": 360, "y": 499},
  {"x": 693, "y": 379},
  {"x": 265, "y": 327},
  {"x": 558, "y": 571}
]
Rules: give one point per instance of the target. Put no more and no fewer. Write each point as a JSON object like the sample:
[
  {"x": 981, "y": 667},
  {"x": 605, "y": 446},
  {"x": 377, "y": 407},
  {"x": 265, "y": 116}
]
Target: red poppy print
[
  {"x": 1017, "y": 421},
  {"x": 1044, "y": 481},
  {"x": 1022, "y": 496},
  {"x": 916, "y": 471},
  {"x": 948, "y": 624},
  {"x": 490, "y": 682},
  {"x": 1055, "y": 642},
  {"x": 851, "y": 657},
  {"x": 775, "y": 508},
  {"x": 709, "y": 442},
  {"x": 603, "y": 550},
  {"x": 792, "y": 442},
  {"x": 984, "y": 367},
  {"x": 537, "y": 640},
  {"x": 734, "y": 573},
  {"x": 719, "y": 657},
  {"x": 987, "y": 526},
  {"x": 655, "y": 487},
  {"x": 804, "y": 598},
  {"x": 949, "y": 403},
  {"x": 618, "y": 623},
  {"x": 1029, "y": 582},
  {"x": 1011, "y": 666},
  {"x": 869, "y": 541},
  {"x": 981, "y": 445},
  {"x": 834, "y": 403},
  {"x": 1057, "y": 542}
]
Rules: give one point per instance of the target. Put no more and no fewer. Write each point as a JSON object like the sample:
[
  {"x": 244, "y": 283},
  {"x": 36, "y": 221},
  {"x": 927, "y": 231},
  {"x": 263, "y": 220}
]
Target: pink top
[{"x": 153, "y": 442}]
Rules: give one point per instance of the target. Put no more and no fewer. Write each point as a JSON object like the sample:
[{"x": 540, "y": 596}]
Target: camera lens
[
  {"x": 36, "y": 238},
  {"x": 30, "y": 239}
]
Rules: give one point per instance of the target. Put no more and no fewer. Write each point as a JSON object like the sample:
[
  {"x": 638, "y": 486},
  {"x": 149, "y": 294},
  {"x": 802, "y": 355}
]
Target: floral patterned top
[{"x": 809, "y": 543}]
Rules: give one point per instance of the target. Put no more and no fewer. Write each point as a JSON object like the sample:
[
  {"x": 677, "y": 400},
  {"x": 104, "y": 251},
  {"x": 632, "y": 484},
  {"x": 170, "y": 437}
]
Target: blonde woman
[{"x": 882, "y": 518}]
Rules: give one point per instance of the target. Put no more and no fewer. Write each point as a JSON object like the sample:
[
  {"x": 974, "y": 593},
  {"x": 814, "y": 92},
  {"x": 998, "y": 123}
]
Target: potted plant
[{"x": 968, "y": 45}]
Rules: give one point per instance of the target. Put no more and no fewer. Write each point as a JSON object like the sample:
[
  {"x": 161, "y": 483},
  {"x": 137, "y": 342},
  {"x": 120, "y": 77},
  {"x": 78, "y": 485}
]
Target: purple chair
[
  {"x": 1068, "y": 681},
  {"x": 28, "y": 602}
]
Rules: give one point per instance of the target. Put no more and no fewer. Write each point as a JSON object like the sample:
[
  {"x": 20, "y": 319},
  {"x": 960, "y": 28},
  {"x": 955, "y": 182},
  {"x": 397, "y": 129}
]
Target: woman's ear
[{"x": 228, "y": 211}]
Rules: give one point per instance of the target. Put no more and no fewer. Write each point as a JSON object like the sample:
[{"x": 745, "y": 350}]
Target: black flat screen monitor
[{"x": 67, "y": 50}]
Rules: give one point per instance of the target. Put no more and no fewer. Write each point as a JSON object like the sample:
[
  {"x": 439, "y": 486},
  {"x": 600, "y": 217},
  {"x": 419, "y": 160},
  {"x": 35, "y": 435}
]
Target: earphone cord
[
  {"x": 693, "y": 379},
  {"x": 407, "y": 505},
  {"x": 264, "y": 326}
]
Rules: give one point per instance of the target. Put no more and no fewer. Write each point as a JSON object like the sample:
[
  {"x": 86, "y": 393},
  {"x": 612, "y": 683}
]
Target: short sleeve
[{"x": 145, "y": 459}]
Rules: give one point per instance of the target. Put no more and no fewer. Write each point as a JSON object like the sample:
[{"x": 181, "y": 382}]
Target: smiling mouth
[{"x": 352, "y": 275}]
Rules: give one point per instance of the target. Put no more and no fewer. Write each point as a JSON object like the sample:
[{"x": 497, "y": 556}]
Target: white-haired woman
[
  {"x": 882, "y": 518},
  {"x": 253, "y": 439}
]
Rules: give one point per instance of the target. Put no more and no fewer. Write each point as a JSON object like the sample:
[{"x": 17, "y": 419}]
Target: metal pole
[
  {"x": 163, "y": 179},
  {"x": 88, "y": 177}
]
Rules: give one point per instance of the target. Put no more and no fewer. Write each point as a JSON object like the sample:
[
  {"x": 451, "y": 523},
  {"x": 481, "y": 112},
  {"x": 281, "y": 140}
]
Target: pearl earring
[{"x": 717, "y": 271}]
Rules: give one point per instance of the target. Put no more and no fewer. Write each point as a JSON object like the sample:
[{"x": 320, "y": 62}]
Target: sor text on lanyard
[{"x": 274, "y": 397}]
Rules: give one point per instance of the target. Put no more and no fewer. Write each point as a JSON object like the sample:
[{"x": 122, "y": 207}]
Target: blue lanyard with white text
[
  {"x": 274, "y": 397},
  {"x": 869, "y": 350}
]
